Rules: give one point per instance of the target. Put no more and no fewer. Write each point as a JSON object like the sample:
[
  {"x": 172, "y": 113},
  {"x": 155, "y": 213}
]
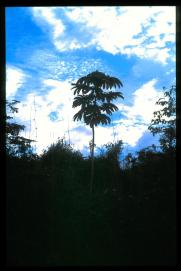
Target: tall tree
[
  {"x": 95, "y": 103},
  {"x": 164, "y": 121}
]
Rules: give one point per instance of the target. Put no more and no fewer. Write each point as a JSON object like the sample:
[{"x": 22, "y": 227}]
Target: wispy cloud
[
  {"x": 15, "y": 78},
  {"x": 58, "y": 26},
  {"x": 44, "y": 15},
  {"x": 130, "y": 43},
  {"x": 138, "y": 116},
  {"x": 35, "y": 112},
  {"x": 144, "y": 100},
  {"x": 52, "y": 65},
  {"x": 108, "y": 29}
]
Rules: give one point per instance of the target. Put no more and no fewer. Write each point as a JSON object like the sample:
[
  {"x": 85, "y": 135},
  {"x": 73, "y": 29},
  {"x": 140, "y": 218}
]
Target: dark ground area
[{"x": 52, "y": 219}]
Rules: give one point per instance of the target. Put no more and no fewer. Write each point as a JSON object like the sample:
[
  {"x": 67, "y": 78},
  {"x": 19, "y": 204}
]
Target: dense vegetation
[{"x": 129, "y": 219}]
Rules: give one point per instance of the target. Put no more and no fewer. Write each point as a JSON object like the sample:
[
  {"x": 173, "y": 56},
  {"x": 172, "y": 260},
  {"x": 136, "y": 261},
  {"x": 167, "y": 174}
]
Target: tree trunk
[{"x": 92, "y": 161}]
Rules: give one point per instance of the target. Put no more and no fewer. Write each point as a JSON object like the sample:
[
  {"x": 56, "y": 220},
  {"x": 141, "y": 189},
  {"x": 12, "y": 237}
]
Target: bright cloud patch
[
  {"x": 139, "y": 115},
  {"x": 46, "y": 15},
  {"x": 51, "y": 116},
  {"x": 109, "y": 29},
  {"x": 14, "y": 80},
  {"x": 144, "y": 103},
  {"x": 59, "y": 67},
  {"x": 57, "y": 103},
  {"x": 131, "y": 43},
  {"x": 35, "y": 112}
]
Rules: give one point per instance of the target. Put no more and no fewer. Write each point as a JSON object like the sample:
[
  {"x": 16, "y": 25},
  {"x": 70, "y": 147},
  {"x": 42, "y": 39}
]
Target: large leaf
[
  {"x": 79, "y": 115},
  {"x": 81, "y": 88},
  {"x": 109, "y": 108},
  {"x": 104, "y": 119},
  {"x": 93, "y": 99},
  {"x": 113, "y": 95},
  {"x": 96, "y": 79},
  {"x": 84, "y": 100}
]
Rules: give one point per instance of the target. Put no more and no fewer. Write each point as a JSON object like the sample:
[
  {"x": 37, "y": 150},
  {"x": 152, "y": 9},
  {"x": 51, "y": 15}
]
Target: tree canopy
[
  {"x": 164, "y": 121},
  {"x": 95, "y": 102},
  {"x": 16, "y": 145}
]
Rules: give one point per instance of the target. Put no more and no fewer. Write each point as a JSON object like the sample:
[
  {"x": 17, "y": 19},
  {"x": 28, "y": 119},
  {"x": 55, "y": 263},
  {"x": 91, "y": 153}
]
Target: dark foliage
[
  {"x": 95, "y": 102},
  {"x": 16, "y": 145},
  {"x": 164, "y": 121},
  {"x": 53, "y": 220}
]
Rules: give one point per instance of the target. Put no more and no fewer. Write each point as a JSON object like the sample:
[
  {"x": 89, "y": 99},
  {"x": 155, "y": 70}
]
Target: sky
[{"x": 48, "y": 48}]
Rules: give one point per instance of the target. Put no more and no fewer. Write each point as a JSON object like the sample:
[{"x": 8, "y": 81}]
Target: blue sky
[{"x": 48, "y": 48}]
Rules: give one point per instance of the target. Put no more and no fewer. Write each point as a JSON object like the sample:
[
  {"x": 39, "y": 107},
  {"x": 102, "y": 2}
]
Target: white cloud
[
  {"x": 112, "y": 29},
  {"x": 47, "y": 14},
  {"x": 139, "y": 115},
  {"x": 116, "y": 33},
  {"x": 60, "y": 98},
  {"x": 47, "y": 131},
  {"x": 15, "y": 77},
  {"x": 131, "y": 134},
  {"x": 64, "y": 66},
  {"x": 144, "y": 102}
]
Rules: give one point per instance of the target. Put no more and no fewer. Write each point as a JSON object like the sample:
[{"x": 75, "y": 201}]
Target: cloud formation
[
  {"x": 138, "y": 116},
  {"x": 15, "y": 78},
  {"x": 108, "y": 29},
  {"x": 144, "y": 100},
  {"x": 35, "y": 113},
  {"x": 86, "y": 39}
]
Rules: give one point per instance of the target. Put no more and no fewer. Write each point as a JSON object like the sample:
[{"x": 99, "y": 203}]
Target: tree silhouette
[
  {"x": 164, "y": 121},
  {"x": 95, "y": 103},
  {"x": 16, "y": 145}
]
